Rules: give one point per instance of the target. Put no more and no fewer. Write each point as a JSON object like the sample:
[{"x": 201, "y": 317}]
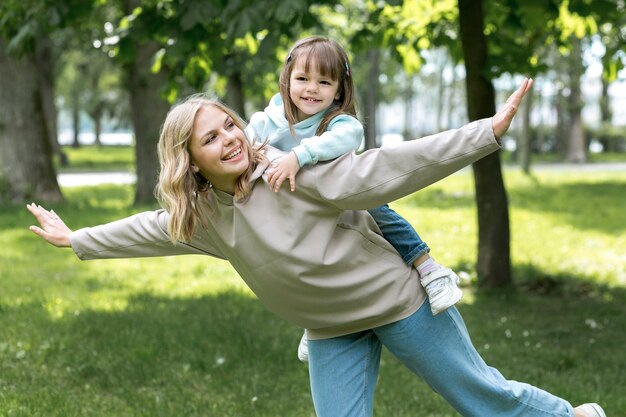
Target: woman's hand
[
  {"x": 502, "y": 119},
  {"x": 52, "y": 229},
  {"x": 285, "y": 168}
]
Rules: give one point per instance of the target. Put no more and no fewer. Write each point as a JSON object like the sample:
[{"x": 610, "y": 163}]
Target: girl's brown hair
[
  {"x": 179, "y": 188},
  {"x": 330, "y": 60}
]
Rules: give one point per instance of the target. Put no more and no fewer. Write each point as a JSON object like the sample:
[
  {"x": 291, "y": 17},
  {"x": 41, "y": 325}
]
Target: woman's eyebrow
[{"x": 210, "y": 131}]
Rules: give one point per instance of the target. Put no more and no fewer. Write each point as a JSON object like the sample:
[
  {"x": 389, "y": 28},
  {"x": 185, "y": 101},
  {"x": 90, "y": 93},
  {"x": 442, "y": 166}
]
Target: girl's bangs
[{"x": 323, "y": 59}]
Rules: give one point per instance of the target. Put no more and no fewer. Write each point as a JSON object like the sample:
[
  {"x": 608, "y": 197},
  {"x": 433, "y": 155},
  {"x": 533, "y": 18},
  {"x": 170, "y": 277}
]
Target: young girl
[{"x": 314, "y": 119}]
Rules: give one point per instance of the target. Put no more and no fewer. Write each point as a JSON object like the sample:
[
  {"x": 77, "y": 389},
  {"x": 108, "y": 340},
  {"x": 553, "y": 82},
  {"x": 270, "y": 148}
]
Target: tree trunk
[
  {"x": 235, "y": 97},
  {"x": 493, "y": 265},
  {"x": 451, "y": 98},
  {"x": 441, "y": 62},
  {"x": 97, "y": 127},
  {"x": 606, "y": 116},
  {"x": 560, "y": 103},
  {"x": 606, "y": 113},
  {"x": 45, "y": 66},
  {"x": 576, "y": 145},
  {"x": 526, "y": 140},
  {"x": 407, "y": 99},
  {"x": 148, "y": 111},
  {"x": 371, "y": 98},
  {"x": 75, "y": 123},
  {"x": 26, "y": 164}
]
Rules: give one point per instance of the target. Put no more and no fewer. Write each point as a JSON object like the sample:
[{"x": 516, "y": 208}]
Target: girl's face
[
  {"x": 218, "y": 148},
  {"x": 309, "y": 91}
]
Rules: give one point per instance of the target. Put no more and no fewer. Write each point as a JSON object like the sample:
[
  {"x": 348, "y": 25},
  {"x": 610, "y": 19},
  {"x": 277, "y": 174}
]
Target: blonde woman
[{"x": 313, "y": 257}]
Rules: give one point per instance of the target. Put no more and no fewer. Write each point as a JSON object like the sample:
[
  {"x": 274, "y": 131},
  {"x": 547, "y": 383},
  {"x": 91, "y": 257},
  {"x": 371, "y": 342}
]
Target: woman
[{"x": 314, "y": 258}]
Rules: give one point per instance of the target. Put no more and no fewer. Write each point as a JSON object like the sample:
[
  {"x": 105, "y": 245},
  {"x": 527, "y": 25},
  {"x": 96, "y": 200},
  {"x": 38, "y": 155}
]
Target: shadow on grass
[
  {"x": 161, "y": 357},
  {"x": 562, "y": 332}
]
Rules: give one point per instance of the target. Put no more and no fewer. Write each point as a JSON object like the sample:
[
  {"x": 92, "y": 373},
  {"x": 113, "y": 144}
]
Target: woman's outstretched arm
[{"x": 140, "y": 235}]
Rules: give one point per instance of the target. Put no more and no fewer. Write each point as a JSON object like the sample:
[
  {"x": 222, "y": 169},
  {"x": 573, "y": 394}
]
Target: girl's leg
[
  {"x": 439, "y": 349},
  {"x": 399, "y": 233},
  {"x": 440, "y": 283},
  {"x": 343, "y": 373}
]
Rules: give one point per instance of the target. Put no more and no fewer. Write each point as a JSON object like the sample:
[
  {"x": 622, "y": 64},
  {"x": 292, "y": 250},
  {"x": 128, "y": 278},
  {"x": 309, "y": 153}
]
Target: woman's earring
[
  {"x": 195, "y": 169},
  {"x": 208, "y": 184}
]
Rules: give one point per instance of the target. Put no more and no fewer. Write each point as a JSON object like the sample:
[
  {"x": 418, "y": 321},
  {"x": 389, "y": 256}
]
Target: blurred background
[{"x": 84, "y": 72}]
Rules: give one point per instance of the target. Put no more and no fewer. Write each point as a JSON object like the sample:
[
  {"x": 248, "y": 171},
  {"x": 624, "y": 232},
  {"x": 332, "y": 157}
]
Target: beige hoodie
[{"x": 312, "y": 256}]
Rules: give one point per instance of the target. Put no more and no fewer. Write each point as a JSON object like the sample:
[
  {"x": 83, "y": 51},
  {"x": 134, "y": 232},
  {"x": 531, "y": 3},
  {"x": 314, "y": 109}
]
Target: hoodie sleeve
[
  {"x": 378, "y": 176},
  {"x": 141, "y": 235},
  {"x": 344, "y": 134}
]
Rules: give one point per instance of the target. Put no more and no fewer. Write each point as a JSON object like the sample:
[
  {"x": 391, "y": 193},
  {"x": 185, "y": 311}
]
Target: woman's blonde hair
[
  {"x": 179, "y": 188},
  {"x": 330, "y": 60}
]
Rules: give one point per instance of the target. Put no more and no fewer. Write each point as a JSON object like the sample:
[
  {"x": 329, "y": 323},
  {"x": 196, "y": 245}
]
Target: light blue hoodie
[{"x": 343, "y": 134}]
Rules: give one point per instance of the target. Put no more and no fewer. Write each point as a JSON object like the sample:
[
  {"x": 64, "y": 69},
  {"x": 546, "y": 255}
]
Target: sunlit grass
[
  {"x": 183, "y": 336},
  {"x": 98, "y": 158}
]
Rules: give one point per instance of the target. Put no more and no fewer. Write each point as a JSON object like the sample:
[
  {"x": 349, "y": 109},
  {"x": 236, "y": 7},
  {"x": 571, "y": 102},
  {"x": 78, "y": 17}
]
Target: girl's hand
[
  {"x": 284, "y": 168},
  {"x": 52, "y": 229},
  {"x": 502, "y": 119}
]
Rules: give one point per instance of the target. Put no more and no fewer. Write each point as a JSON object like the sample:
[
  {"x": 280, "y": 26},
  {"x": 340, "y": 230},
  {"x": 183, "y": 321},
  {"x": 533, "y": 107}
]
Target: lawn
[
  {"x": 184, "y": 337},
  {"x": 98, "y": 158}
]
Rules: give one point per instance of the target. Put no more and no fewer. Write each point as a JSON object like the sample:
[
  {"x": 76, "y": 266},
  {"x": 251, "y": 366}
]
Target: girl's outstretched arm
[{"x": 51, "y": 228}]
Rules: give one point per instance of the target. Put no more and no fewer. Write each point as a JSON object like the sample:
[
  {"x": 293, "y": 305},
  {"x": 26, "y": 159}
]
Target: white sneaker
[
  {"x": 441, "y": 287},
  {"x": 303, "y": 348},
  {"x": 591, "y": 410}
]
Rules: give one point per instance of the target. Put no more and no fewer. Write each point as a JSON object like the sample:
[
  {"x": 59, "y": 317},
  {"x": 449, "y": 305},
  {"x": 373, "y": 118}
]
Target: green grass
[
  {"x": 553, "y": 157},
  {"x": 184, "y": 337},
  {"x": 98, "y": 158}
]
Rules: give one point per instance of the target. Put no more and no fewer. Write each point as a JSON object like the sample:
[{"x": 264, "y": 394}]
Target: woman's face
[{"x": 217, "y": 148}]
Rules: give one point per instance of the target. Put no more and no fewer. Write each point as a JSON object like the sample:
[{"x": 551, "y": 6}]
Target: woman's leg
[
  {"x": 343, "y": 373},
  {"x": 439, "y": 349}
]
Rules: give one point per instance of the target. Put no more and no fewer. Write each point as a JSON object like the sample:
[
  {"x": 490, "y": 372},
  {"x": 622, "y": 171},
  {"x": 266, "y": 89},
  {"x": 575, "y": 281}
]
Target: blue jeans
[
  {"x": 399, "y": 233},
  {"x": 344, "y": 370}
]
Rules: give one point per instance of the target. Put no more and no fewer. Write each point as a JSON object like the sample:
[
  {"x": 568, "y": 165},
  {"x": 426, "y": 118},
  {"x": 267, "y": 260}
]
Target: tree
[
  {"x": 371, "y": 98},
  {"x": 494, "y": 264},
  {"x": 27, "y": 54},
  {"x": 26, "y": 170},
  {"x": 575, "y": 150},
  {"x": 168, "y": 49},
  {"x": 46, "y": 60}
]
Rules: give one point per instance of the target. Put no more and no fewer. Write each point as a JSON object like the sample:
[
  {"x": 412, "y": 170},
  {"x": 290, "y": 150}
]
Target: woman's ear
[{"x": 194, "y": 169}]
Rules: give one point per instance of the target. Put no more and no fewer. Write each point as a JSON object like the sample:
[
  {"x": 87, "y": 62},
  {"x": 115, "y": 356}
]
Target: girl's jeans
[
  {"x": 399, "y": 233},
  {"x": 343, "y": 370}
]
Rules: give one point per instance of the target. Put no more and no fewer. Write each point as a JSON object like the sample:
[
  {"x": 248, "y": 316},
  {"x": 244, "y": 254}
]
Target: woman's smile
[{"x": 233, "y": 154}]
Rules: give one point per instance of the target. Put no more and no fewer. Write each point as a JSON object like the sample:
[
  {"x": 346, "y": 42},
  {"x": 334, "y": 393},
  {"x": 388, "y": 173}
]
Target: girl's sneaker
[
  {"x": 441, "y": 287},
  {"x": 591, "y": 410},
  {"x": 303, "y": 348}
]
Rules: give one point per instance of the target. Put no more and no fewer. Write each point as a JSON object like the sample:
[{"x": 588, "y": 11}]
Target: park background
[{"x": 536, "y": 231}]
